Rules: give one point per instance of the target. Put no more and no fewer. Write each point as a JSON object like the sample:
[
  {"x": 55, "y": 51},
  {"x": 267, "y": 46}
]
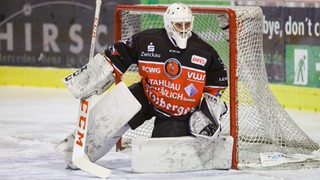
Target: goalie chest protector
[{"x": 174, "y": 79}]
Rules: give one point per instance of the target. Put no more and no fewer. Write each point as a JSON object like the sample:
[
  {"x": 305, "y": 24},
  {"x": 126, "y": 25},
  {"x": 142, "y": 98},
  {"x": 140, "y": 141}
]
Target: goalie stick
[{"x": 79, "y": 158}]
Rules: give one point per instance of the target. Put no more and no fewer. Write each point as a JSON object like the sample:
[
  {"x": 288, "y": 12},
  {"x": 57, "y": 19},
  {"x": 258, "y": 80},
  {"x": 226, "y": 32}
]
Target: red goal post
[{"x": 252, "y": 107}]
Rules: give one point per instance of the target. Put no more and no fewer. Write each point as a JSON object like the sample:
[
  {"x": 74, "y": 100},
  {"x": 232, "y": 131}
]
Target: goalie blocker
[{"x": 93, "y": 78}]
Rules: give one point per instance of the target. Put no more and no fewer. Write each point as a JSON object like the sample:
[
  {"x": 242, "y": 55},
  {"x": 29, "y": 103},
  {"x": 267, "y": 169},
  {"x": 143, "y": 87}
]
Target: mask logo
[{"x": 172, "y": 68}]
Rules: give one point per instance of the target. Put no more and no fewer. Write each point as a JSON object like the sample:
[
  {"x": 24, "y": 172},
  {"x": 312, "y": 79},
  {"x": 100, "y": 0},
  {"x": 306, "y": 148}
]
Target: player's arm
[
  {"x": 122, "y": 54},
  {"x": 216, "y": 77},
  {"x": 205, "y": 122},
  {"x": 97, "y": 75}
]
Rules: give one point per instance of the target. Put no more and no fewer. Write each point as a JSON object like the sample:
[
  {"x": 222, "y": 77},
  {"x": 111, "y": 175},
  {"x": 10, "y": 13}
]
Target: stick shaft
[
  {"x": 78, "y": 156},
  {"x": 84, "y": 108},
  {"x": 95, "y": 28}
]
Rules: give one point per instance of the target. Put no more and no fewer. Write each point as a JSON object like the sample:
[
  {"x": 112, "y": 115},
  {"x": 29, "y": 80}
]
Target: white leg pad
[
  {"x": 181, "y": 154},
  {"x": 107, "y": 122},
  {"x": 108, "y": 116}
]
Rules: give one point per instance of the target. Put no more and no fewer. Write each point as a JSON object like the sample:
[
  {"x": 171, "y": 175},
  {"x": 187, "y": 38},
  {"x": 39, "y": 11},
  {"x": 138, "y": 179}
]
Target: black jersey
[{"x": 173, "y": 79}]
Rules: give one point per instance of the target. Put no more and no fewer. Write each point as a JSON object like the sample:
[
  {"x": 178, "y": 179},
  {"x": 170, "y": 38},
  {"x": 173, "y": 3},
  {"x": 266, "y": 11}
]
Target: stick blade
[{"x": 92, "y": 168}]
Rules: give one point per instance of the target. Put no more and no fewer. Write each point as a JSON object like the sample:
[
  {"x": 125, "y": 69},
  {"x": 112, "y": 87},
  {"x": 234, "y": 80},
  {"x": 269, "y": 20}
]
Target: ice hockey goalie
[{"x": 176, "y": 67}]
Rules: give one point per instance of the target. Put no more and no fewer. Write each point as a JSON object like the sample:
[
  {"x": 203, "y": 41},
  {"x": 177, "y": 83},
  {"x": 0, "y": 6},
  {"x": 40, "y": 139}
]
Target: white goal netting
[{"x": 261, "y": 124}]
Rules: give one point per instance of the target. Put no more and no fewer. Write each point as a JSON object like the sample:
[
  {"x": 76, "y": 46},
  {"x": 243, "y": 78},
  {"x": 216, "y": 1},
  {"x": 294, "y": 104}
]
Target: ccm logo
[
  {"x": 82, "y": 122},
  {"x": 198, "y": 60},
  {"x": 84, "y": 68}
]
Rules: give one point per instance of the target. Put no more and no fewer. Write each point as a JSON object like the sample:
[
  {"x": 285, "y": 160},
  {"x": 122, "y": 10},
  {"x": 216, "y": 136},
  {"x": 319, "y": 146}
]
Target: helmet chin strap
[{"x": 173, "y": 41}]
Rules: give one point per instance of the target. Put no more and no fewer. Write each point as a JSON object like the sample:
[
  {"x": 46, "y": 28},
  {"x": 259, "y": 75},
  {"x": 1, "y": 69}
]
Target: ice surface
[{"x": 33, "y": 120}]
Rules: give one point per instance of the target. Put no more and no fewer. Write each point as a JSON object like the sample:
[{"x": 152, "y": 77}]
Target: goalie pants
[{"x": 164, "y": 126}]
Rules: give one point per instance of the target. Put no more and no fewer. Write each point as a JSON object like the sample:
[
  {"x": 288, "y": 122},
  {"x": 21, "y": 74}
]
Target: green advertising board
[{"x": 303, "y": 65}]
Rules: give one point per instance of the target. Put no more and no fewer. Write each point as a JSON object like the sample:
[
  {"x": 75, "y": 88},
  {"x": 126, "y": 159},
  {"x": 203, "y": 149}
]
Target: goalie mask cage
[{"x": 255, "y": 120}]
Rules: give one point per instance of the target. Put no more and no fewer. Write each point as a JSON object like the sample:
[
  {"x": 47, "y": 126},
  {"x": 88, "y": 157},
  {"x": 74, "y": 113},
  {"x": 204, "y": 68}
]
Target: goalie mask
[{"x": 178, "y": 22}]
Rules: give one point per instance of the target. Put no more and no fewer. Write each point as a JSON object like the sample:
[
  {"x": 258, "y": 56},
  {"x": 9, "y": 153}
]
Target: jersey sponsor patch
[
  {"x": 198, "y": 60},
  {"x": 191, "y": 90},
  {"x": 197, "y": 76},
  {"x": 172, "y": 68},
  {"x": 151, "y": 47},
  {"x": 148, "y": 69}
]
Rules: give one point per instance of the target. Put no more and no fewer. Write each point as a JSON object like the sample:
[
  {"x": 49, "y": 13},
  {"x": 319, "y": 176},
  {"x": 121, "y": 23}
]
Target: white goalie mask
[{"x": 178, "y": 22}]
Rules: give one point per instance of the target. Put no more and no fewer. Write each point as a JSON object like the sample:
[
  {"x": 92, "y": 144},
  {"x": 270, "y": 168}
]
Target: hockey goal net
[{"x": 255, "y": 120}]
